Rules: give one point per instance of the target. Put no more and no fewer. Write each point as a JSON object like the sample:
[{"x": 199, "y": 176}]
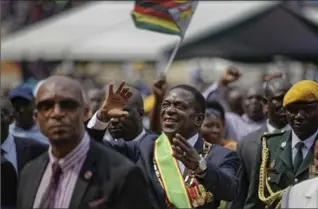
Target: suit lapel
[
  {"x": 309, "y": 159},
  {"x": 286, "y": 156},
  {"x": 35, "y": 180},
  {"x": 22, "y": 153},
  {"x": 147, "y": 153},
  {"x": 261, "y": 132},
  {"x": 87, "y": 172}
]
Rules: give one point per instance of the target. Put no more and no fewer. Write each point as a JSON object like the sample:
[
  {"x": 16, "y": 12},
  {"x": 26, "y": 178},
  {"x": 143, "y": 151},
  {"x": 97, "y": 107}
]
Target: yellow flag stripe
[{"x": 156, "y": 21}]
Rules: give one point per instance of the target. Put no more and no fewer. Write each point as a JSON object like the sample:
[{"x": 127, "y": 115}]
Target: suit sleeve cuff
[
  {"x": 201, "y": 175},
  {"x": 95, "y": 123}
]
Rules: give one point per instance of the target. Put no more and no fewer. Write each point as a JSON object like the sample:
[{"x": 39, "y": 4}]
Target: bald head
[
  {"x": 253, "y": 103},
  {"x": 234, "y": 99},
  {"x": 136, "y": 99},
  {"x": 275, "y": 86},
  {"x": 255, "y": 90},
  {"x": 61, "y": 84},
  {"x": 61, "y": 112}
]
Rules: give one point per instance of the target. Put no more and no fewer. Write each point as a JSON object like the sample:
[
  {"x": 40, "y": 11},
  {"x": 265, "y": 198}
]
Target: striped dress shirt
[{"x": 71, "y": 166}]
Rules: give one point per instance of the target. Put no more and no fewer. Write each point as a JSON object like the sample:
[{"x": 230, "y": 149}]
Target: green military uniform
[{"x": 279, "y": 168}]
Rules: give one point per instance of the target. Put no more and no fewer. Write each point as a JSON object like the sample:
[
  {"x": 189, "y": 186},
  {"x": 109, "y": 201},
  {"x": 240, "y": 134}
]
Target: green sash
[{"x": 169, "y": 170}]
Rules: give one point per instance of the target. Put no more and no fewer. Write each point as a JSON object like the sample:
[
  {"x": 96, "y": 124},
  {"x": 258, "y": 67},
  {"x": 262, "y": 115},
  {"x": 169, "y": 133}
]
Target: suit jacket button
[
  {"x": 295, "y": 180},
  {"x": 269, "y": 178}
]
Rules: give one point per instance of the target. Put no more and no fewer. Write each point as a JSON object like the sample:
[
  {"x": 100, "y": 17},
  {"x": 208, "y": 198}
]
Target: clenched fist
[{"x": 230, "y": 75}]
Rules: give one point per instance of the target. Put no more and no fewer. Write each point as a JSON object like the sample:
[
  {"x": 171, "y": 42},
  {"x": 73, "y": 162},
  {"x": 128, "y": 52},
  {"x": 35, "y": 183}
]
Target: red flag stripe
[
  {"x": 167, "y": 3},
  {"x": 152, "y": 12}
]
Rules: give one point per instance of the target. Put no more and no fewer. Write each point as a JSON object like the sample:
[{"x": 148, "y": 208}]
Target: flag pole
[{"x": 172, "y": 56}]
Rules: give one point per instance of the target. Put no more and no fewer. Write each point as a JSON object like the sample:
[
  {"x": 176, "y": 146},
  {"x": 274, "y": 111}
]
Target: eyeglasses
[{"x": 66, "y": 105}]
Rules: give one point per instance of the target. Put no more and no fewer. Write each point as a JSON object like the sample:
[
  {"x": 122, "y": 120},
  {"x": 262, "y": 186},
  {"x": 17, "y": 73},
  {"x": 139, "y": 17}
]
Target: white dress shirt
[
  {"x": 302, "y": 195},
  {"x": 272, "y": 129},
  {"x": 71, "y": 166},
  {"x": 307, "y": 142},
  {"x": 95, "y": 123},
  {"x": 33, "y": 133},
  {"x": 9, "y": 147}
]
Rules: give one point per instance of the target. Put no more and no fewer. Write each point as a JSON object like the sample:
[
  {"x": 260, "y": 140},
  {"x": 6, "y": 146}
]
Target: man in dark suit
[
  {"x": 275, "y": 91},
  {"x": 76, "y": 172},
  {"x": 8, "y": 184},
  {"x": 15, "y": 154},
  {"x": 182, "y": 114},
  {"x": 128, "y": 128},
  {"x": 290, "y": 153}
]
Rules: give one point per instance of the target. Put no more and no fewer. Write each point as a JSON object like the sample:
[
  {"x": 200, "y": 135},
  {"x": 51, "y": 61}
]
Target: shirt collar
[
  {"x": 308, "y": 142},
  {"x": 272, "y": 129},
  {"x": 8, "y": 143},
  {"x": 140, "y": 135},
  {"x": 34, "y": 128},
  {"x": 79, "y": 151},
  {"x": 193, "y": 139}
]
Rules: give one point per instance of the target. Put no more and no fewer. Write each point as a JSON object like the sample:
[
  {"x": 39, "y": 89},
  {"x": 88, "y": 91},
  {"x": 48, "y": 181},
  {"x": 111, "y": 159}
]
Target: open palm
[{"x": 115, "y": 102}]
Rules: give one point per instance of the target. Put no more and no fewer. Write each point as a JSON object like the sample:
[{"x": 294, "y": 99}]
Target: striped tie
[{"x": 48, "y": 198}]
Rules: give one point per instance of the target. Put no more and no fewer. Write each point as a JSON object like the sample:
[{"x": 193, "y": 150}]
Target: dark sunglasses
[{"x": 65, "y": 105}]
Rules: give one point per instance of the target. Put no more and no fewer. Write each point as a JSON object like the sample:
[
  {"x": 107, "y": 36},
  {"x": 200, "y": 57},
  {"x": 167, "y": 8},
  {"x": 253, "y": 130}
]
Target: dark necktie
[
  {"x": 48, "y": 198},
  {"x": 299, "y": 156}
]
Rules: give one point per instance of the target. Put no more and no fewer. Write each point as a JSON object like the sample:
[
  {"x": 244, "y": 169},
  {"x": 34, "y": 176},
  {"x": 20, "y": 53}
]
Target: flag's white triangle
[{"x": 183, "y": 13}]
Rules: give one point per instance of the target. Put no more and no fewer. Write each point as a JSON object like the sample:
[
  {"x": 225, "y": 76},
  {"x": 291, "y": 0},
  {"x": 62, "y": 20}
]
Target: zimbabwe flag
[{"x": 164, "y": 16}]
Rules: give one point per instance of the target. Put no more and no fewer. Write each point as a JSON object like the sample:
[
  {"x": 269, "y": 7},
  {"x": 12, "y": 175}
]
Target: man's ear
[
  {"x": 35, "y": 114},
  {"x": 141, "y": 113},
  {"x": 11, "y": 118},
  {"x": 198, "y": 119}
]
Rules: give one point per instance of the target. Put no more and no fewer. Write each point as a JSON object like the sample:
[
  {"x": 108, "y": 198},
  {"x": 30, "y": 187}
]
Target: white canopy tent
[{"x": 104, "y": 31}]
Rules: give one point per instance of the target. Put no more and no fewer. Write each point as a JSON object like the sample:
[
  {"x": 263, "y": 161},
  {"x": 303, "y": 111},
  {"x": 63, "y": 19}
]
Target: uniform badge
[
  {"x": 283, "y": 145},
  {"x": 88, "y": 174},
  {"x": 272, "y": 164}
]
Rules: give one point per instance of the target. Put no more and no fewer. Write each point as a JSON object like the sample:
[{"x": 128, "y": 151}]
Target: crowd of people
[
  {"x": 16, "y": 15},
  {"x": 65, "y": 147}
]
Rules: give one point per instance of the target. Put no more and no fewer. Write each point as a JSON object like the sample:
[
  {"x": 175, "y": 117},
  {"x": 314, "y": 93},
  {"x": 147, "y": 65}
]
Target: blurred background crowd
[
  {"x": 231, "y": 49},
  {"x": 35, "y": 38}
]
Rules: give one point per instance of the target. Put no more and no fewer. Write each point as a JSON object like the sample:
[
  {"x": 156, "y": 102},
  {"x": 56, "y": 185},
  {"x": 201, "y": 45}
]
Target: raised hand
[
  {"x": 115, "y": 102},
  {"x": 230, "y": 75},
  {"x": 184, "y": 152},
  {"x": 160, "y": 87}
]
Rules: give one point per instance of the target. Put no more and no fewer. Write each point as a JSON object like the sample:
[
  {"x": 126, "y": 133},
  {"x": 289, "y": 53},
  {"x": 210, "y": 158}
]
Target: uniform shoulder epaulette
[{"x": 269, "y": 135}]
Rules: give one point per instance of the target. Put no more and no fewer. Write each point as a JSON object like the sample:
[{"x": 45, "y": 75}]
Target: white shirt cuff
[{"x": 95, "y": 123}]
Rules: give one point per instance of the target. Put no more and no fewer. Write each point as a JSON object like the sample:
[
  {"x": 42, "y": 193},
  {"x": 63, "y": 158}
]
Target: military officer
[
  {"x": 284, "y": 158},
  {"x": 304, "y": 194}
]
